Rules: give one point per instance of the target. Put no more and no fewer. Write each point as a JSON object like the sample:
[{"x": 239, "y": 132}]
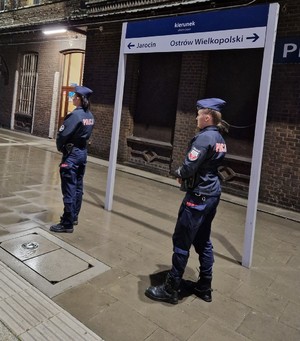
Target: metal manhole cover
[
  {"x": 47, "y": 262},
  {"x": 30, "y": 246}
]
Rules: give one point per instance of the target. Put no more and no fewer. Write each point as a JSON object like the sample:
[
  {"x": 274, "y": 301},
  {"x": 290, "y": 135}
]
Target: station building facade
[{"x": 38, "y": 74}]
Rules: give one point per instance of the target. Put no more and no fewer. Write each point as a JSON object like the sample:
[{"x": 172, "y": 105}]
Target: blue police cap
[
  {"x": 211, "y": 103},
  {"x": 83, "y": 91}
]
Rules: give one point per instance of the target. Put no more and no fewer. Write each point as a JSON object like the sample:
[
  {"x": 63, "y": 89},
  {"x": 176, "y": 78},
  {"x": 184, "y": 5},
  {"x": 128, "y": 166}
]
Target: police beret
[
  {"x": 211, "y": 103},
  {"x": 83, "y": 91}
]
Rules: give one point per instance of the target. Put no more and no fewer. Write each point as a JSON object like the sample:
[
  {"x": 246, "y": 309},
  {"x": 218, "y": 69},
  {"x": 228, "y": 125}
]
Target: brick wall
[
  {"x": 191, "y": 87},
  {"x": 281, "y": 160},
  {"x": 10, "y": 58},
  {"x": 289, "y": 23},
  {"x": 49, "y": 62},
  {"x": 50, "y": 12},
  {"x": 101, "y": 70},
  {"x": 280, "y": 181}
]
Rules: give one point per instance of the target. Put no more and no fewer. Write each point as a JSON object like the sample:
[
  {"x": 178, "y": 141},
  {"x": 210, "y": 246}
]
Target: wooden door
[{"x": 72, "y": 76}]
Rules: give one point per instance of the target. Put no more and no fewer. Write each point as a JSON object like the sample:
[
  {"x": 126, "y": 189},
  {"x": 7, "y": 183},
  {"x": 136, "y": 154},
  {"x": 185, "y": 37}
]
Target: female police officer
[
  {"x": 71, "y": 141},
  {"x": 198, "y": 176}
]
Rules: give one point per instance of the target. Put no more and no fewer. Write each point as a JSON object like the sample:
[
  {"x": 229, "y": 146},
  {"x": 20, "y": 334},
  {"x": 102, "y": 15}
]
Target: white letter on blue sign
[{"x": 289, "y": 48}]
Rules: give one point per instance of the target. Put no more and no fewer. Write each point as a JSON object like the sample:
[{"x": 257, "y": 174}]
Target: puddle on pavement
[
  {"x": 12, "y": 218},
  {"x": 30, "y": 209},
  {"x": 4, "y": 210},
  {"x": 13, "y": 201}
]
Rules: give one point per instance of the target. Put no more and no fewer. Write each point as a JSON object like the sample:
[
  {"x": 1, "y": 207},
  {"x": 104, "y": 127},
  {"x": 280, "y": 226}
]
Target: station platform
[{"x": 89, "y": 284}]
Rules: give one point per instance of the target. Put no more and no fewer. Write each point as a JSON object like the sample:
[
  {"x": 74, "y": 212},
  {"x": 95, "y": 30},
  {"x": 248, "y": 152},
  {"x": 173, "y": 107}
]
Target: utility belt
[
  {"x": 80, "y": 145},
  {"x": 188, "y": 184},
  {"x": 69, "y": 146},
  {"x": 200, "y": 196}
]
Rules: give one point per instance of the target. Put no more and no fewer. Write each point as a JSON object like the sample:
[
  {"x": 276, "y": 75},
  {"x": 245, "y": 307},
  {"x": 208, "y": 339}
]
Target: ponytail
[
  {"x": 222, "y": 125},
  {"x": 85, "y": 103}
]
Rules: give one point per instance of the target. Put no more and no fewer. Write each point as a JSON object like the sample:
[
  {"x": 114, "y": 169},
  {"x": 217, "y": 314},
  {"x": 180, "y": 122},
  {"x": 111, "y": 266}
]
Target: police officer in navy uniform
[
  {"x": 71, "y": 141},
  {"x": 198, "y": 176}
]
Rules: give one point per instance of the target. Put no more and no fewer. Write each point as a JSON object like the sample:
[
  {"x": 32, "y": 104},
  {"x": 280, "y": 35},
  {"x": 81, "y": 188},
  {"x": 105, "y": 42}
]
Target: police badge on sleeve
[
  {"x": 62, "y": 128},
  {"x": 193, "y": 154}
]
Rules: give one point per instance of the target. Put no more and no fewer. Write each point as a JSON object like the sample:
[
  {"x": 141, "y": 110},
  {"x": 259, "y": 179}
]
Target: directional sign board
[
  {"x": 238, "y": 28},
  {"x": 223, "y": 30}
]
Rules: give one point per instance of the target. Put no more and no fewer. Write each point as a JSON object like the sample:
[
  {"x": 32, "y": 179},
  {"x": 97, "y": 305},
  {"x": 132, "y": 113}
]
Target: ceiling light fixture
[{"x": 54, "y": 31}]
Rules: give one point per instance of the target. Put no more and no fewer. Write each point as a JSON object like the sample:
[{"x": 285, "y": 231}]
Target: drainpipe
[
  {"x": 34, "y": 102},
  {"x": 13, "y": 109},
  {"x": 55, "y": 95}
]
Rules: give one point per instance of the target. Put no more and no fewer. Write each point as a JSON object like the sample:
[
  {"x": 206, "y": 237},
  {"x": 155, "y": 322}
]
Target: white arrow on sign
[{"x": 200, "y": 41}]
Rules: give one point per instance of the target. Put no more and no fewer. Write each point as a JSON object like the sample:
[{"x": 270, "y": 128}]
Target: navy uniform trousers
[
  {"x": 72, "y": 169},
  {"x": 193, "y": 227}
]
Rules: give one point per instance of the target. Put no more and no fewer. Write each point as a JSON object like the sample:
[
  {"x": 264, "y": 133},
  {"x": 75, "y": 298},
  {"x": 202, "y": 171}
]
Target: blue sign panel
[
  {"x": 287, "y": 50},
  {"x": 238, "y": 28},
  {"x": 255, "y": 16}
]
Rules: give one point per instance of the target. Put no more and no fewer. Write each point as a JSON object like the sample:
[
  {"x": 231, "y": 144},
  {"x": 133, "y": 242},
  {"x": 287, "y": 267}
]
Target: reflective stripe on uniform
[{"x": 180, "y": 251}]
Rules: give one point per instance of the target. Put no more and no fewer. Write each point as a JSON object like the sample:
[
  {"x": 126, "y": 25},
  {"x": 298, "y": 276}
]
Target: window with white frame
[
  {"x": 14, "y": 4},
  {"x": 27, "y": 84},
  {"x": 3, "y": 4},
  {"x": 9, "y": 4}
]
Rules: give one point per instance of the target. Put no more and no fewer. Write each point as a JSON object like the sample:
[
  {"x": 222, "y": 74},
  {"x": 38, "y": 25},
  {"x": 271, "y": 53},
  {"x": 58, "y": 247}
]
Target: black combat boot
[
  {"x": 203, "y": 288},
  {"x": 167, "y": 292},
  {"x": 60, "y": 228}
]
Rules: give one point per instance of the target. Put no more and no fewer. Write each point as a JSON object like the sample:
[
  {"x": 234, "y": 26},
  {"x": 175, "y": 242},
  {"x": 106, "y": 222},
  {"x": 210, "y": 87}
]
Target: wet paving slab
[
  {"x": 30, "y": 194},
  {"x": 13, "y": 201},
  {"x": 12, "y": 219},
  {"x": 29, "y": 189},
  {"x": 30, "y": 209},
  {"x": 4, "y": 210}
]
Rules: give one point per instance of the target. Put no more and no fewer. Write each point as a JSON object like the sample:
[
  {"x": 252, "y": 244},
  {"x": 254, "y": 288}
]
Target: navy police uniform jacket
[
  {"x": 199, "y": 171},
  {"x": 76, "y": 129}
]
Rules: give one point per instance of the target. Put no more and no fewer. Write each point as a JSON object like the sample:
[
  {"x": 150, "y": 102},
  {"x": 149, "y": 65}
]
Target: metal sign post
[
  {"x": 238, "y": 28},
  {"x": 116, "y": 125},
  {"x": 259, "y": 135}
]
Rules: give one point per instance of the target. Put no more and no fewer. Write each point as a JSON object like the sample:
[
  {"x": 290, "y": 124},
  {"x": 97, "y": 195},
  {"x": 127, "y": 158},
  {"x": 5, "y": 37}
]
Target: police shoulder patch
[
  {"x": 62, "y": 128},
  {"x": 193, "y": 154}
]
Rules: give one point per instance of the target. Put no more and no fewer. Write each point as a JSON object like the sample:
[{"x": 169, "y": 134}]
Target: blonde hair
[{"x": 216, "y": 116}]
